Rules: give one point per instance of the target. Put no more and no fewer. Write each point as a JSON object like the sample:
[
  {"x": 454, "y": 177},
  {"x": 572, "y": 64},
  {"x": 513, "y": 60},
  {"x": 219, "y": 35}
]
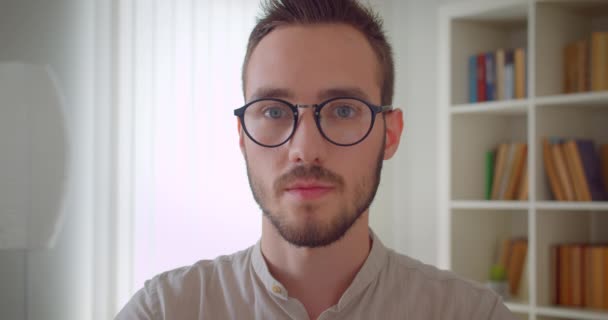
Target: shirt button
[{"x": 276, "y": 289}]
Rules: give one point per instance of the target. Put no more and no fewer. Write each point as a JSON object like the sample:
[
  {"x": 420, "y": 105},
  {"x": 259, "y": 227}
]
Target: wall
[
  {"x": 60, "y": 33},
  {"x": 413, "y": 30}
]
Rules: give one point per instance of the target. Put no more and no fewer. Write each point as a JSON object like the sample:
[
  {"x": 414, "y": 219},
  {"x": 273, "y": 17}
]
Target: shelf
[
  {"x": 515, "y": 107},
  {"x": 571, "y": 313},
  {"x": 572, "y": 205},
  {"x": 587, "y": 99},
  {"x": 517, "y": 307},
  {"x": 490, "y": 205}
]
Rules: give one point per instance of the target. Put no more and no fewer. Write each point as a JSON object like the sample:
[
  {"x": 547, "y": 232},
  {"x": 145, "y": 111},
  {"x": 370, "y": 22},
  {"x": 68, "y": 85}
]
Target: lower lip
[{"x": 309, "y": 193}]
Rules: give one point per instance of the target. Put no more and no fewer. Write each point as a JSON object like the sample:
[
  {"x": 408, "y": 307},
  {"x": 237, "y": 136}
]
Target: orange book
[
  {"x": 562, "y": 171},
  {"x": 577, "y": 172},
  {"x": 568, "y": 68},
  {"x": 519, "y": 249},
  {"x": 599, "y": 63},
  {"x": 554, "y": 283},
  {"x": 598, "y": 271},
  {"x": 587, "y": 301},
  {"x": 520, "y": 73},
  {"x": 604, "y": 165},
  {"x": 519, "y": 160},
  {"x": 565, "y": 289},
  {"x": 508, "y": 169},
  {"x": 605, "y": 277},
  {"x": 550, "y": 169},
  {"x": 523, "y": 184},
  {"x": 582, "y": 66},
  {"x": 576, "y": 276},
  {"x": 499, "y": 168}
]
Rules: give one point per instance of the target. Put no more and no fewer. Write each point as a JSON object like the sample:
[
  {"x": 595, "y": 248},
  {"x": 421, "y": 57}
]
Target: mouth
[{"x": 309, "y": 190}]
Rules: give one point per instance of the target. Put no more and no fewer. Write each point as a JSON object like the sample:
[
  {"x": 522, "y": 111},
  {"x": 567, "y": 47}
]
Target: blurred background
[{"x": 119, "y": 152}]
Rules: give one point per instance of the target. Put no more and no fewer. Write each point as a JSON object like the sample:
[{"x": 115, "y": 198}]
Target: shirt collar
[{"x": 372, "y": 266}]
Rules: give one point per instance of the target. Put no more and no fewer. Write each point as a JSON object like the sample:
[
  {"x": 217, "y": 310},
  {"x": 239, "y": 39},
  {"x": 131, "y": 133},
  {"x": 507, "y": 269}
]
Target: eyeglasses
[{"x": 344, "y": 121}]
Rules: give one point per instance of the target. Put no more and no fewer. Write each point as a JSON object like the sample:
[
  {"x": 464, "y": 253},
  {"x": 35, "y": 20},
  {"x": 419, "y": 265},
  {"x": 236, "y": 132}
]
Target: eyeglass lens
[{"x": 343, "y": 121}]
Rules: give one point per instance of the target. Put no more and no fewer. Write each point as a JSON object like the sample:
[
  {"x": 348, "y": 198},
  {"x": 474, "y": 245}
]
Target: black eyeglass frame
[{"x": 240, "y": 112}]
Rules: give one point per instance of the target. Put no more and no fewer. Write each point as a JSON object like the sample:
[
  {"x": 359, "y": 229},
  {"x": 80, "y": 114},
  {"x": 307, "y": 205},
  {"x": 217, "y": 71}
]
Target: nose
[{"x": 307, "y": 146}]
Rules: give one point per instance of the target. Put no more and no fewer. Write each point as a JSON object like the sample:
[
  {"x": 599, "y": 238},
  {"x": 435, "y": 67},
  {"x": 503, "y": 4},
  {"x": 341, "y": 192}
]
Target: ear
[
  {"x": 394, "y": 128},
  {"x": 241, "y": 136}
]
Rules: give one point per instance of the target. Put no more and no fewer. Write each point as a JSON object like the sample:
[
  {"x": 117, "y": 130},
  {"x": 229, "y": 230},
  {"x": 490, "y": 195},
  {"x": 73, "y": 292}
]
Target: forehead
[{"x": 308, "y": 60}]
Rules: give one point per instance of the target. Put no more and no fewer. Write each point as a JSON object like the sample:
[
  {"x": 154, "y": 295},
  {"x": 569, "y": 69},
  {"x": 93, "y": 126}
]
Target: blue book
[
  {"x": 590, "y": 160},
  {"x": 473, "y": 79},
  {"x": 490, "y": 76}
]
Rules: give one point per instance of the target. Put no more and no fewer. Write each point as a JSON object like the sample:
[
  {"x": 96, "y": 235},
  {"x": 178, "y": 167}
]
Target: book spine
[
  {"x": 489, "y": 173},
  {"x": 499, "y": 168},
  {"x": 473, "y": 79},
  {"x": 500, "y": 74},
  {"x": 490, "y": 77},
  {"x": 565, "y": 289},
  {"x": 550, "y": 169},
  {"x": 509, "y": 75},
  {"x": 520, "y": 73},
  {"x": 481, "y": 77},
  {"x": 562, "y": 171},
  {"x": 599, "y": 65},
  {"x": 604, "y": 165},
  {"x": 575, "y": 167},
  {"x": 576, "y": 263},
  {"x": 582, "y": 65},
  {"x": 516, "y": 172},
  {"x": 590, "y": 161}
]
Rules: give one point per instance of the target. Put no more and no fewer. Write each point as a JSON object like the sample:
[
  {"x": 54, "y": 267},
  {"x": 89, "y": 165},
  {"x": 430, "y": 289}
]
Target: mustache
[{"x": 308, "y": 172}]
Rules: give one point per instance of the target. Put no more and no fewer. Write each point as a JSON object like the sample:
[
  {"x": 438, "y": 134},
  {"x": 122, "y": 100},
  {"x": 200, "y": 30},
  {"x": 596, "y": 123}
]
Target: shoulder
[
  {"x": 428, "y": 287},
  {"x": 183, "y": 288}
]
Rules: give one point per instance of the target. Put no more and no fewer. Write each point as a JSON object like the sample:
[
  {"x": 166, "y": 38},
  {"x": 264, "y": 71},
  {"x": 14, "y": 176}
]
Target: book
[
  {"x": 582, "y": 65},
  {"x": 575, "y": 167},
  {"x": 555, "y": 275},
  {"x": 507, "y": 172},
  {"x": 490, "y": 76},
  {"x": 522, "y": 193},
  {"x": 604, "y": 165},
  {"x": 605, "y": 277},
  {"x": 500, "y": 74},
  {"x": 565, "y": 289},
  {"x": 590, "y": 162},
  {"x": 551, "y": 171},
  {"x": 499, "y": 168},
  {"x": 509, "y": 75},
  {"x": 598, "y": 274},
  {"x": 517, "y": 259},
  {"x": 489, "y": 173},
  {"x": 519, "y": 159},
  {"x": 576, "y": 277},
  {"x": 587, "y": 298},
  {"x": 569, "y": 72},
  {"x": 481, "y": 77},
  {"x": 520, "y": 73},
  {"x": 473, "y": 79},
  {"x": 562, "y": 171},
  {"x": 599, "y": 63}
]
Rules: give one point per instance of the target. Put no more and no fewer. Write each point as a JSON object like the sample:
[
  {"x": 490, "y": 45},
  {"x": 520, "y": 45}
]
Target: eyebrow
[{"x": 284, "y": 93}]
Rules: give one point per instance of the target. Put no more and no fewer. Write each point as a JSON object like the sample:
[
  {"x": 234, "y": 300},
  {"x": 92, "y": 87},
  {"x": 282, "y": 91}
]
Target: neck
[{"x": 317, "y": 277}]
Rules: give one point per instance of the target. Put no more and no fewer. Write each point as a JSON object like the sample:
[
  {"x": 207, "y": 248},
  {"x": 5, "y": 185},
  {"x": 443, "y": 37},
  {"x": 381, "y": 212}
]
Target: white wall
[
  {"x": 410, "y": 178},
  {"x": 58, "y": 282}
]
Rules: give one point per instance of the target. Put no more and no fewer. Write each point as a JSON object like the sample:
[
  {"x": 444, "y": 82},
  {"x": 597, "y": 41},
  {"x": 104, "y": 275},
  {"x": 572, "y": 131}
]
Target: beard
[{"x": 312, "y": 233}]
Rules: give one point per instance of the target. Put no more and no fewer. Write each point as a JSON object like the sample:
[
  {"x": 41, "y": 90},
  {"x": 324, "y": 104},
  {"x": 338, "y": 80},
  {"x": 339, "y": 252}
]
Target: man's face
[{"x": 310, "y": 189}]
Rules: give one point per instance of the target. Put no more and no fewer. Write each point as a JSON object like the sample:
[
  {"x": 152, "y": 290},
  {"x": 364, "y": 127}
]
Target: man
[{"x": 315, "y": 129}]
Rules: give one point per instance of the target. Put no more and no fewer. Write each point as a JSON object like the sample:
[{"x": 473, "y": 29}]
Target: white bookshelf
[{"x": 471, "y": 227}]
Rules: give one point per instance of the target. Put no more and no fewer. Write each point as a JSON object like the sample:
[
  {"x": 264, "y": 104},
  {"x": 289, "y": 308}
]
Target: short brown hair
[{"x": 350, "y": 12}]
